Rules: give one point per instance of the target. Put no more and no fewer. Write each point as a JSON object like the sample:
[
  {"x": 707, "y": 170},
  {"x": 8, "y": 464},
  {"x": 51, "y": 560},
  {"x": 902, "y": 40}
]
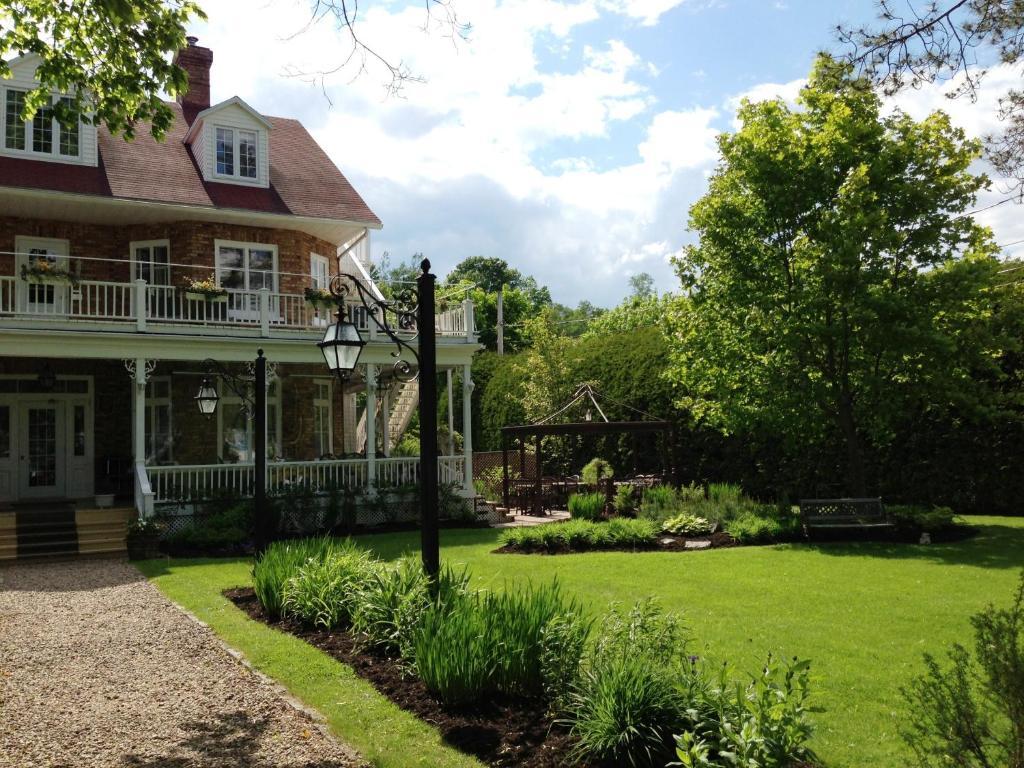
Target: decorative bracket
[{"x": 141, "y": 377}]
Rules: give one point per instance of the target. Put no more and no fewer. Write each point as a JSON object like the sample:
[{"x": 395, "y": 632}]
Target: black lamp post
[
  {"x": 411, "y": 311},
  {"x": 256, "y": 405}
]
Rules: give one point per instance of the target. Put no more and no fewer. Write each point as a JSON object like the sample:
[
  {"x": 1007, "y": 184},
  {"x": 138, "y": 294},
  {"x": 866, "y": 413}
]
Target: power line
[{"x": 987, "y": 207}]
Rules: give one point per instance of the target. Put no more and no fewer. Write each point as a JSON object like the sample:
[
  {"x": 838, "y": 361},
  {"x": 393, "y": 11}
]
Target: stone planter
[
  {"x": 104, "y": 500},
  {"x": 218, "y": 298}
]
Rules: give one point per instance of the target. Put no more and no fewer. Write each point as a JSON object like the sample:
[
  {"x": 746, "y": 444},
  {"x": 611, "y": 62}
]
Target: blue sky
[{"x": 569, "y": 138}]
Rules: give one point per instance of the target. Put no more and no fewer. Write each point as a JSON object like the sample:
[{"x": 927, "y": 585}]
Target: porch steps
[{"x": 62, "y": 531}]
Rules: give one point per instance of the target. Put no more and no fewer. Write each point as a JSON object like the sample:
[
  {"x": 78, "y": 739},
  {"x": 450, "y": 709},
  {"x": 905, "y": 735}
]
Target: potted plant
[
  {"x": 143, "y": 539},
  {"x": 42, "y": 271},
  {"x": 319, "y": 298},
  {"x": 205, "y": 290}
]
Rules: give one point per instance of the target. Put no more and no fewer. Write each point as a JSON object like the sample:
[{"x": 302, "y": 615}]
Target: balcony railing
[
  {"x": 143, "y": 304},
  {"x": 194, "y": 482}
]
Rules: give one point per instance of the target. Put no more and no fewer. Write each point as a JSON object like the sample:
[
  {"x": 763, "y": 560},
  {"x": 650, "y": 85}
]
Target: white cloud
[{"x": 454, "y": 167}]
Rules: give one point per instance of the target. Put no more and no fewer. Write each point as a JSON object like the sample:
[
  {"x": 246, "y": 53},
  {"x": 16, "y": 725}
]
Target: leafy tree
[
  {"x": 642, "y": 285},
  {"x": 522, "y": 298},
  {"x": 837, "y": 277},
  {"x": 112, "y": 57},
  {"x": 922, "y": 41},
  {"x": 634, "y": 313}
]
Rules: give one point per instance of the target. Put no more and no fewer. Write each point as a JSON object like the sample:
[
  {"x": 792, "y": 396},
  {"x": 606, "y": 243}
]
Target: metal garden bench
[{"x": 837, "y": 514}]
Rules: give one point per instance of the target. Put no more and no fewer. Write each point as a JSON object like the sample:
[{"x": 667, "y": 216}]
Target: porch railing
[
  {"x": 143, "y": 304},
  {"x": 205, "y": 481}
]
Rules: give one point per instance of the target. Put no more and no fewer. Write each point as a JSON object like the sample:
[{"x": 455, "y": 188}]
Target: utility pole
[{"x": 501, "y": 321}]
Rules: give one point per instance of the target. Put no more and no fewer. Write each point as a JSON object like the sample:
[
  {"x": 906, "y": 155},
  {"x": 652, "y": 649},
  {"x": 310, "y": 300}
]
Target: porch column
[
  {"x": 467, "y": 425},
  {"x": 139, "y": 374},
  {"x": 451, "y": 413},
  {"x": 371, "y": 425},
  {"x": 385, "y": 427}
]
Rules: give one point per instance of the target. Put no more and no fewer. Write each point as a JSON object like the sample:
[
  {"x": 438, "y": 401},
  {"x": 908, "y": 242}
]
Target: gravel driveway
[{"x": 97, "y": 668}]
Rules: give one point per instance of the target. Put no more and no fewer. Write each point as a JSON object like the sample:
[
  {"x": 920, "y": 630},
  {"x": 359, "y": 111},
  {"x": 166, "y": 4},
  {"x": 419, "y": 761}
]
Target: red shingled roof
[{"x": 303, "y": 180}]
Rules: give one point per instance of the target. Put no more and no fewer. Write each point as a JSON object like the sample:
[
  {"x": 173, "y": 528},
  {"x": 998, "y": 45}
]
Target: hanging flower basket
[
  {"x": 318, "y": 298},
  {"x": 205, "y": 290},
  {"x": 45, "y": 272}
]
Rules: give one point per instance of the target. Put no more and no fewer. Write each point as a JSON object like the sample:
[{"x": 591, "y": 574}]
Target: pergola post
[
  {"x": 504, "y": 471},
  {"x": 537, "y": 510}
]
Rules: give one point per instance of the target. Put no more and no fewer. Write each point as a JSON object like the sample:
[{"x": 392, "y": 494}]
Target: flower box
[
  {"x": 320, "y": 299},
  {"x": 42, "y": 272},
  {"x": 210, "y": 296}
]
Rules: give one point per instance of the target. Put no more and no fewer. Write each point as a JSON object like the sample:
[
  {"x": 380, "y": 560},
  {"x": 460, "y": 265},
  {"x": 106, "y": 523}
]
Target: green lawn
[{"x": 863, "y": 613}]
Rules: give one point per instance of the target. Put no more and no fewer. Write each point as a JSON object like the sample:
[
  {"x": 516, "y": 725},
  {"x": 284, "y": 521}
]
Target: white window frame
[
  {"x": 134, "y": 245},
  {"x": 329, "y": 405},
  {"x": 314, "y": 259},
  {"x": 273, "y": 399},
  {"x": 235, "y": 175},
  {"x": 26, "y": 150},
  {"x": 151, "y": 404},
  {"x": 218, "y": 244}
]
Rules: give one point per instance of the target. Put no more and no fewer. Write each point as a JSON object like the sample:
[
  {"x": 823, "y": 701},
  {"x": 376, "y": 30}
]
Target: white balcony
[{"x": 147, "y": 307}]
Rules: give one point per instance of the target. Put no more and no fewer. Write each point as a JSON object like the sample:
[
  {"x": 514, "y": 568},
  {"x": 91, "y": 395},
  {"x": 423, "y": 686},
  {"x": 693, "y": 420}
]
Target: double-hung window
[
  {"x": 159, "y": 441},
  {"x": 237, "y": 153},
  {"x": 45, "y": 135},
  {"x": 236, "y": 427},
  {"x": 323, "y": 432},
  {"x": 152, "y": 260}
]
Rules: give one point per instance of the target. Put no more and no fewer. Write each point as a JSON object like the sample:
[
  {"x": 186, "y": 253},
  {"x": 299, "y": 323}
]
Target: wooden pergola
[{"x": 536, "y": 431}]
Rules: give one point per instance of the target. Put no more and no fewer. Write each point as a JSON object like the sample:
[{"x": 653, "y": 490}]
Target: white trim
[
  {"x": 153, "y": 402},
  {"x": 213, "y": 109},
  {"x": 316, "y": 258},
  {"x": 236, "y": 157},
  {"x": 26, "y": 151},
  {"x": 274, "y": 220}
]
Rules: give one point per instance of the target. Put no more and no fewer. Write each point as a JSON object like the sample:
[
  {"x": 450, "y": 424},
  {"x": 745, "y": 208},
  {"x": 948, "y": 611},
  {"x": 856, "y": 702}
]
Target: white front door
[
  {"x": 41, "y": 450},
  {"x": 36, "y": 254}
]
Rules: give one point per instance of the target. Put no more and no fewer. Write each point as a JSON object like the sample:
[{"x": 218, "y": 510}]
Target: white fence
[{"x": 203, "y": 481}]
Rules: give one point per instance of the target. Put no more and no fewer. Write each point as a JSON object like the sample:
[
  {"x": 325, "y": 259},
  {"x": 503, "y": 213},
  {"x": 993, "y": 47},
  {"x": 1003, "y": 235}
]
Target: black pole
[
  {"x": 430, "y": 540},
  {"x": 260, "y": 450},
  {"x": 504, "y": 472}
]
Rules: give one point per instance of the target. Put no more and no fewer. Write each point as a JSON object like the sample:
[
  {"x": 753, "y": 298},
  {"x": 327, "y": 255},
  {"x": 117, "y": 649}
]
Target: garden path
[{"x": 97, "y": 668}]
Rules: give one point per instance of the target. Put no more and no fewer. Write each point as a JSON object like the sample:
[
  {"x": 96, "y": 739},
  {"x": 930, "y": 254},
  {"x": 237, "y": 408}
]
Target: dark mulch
[
  {"x": 664, "y": 543},
  {"x": 501, "y": 732}
]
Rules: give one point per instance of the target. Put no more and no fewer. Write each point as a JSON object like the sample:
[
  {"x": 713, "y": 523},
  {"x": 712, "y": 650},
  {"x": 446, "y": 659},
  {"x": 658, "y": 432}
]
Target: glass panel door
[
  {"x": 42, "y": 453},
  {"x": 43, "y": 273}
]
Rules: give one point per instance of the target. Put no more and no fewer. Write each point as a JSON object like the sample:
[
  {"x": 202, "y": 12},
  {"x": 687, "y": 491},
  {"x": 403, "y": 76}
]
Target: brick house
[{"x": 103, "y": 347}]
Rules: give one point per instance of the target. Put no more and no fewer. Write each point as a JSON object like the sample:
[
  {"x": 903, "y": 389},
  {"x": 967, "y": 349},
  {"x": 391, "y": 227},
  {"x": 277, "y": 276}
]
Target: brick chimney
[{"x": 196, "y": 61}]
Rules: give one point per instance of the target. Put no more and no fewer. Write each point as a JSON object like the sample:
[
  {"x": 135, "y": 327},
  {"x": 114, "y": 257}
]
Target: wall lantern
[{"x": 207, "y": 398}]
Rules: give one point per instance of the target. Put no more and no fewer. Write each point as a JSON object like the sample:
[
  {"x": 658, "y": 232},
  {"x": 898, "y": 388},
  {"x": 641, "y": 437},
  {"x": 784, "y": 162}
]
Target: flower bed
[
  {"x": 618, "y": 534},
  {"x": 522, "y": 676}
]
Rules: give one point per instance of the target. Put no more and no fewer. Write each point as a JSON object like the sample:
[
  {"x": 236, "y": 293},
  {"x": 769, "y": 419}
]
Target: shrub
[
  {"x": 687, "y": 525},
  {"x": 659, "y": 503},
  {"x": 724, "y": 492},
  {"x": 971, "y": 713},
  {"x": 764, "y": 525},
  {"x": 324, "y": 592},
  {"x": 762, "y": 724},
  {"x": 625, "y": 500},
  {"x": 390, "y": 603},
  {"x": 229, "y": 528},
  {"x": 586, "y": 506},
  {"x": 912, "y": 521},
  {"x": 626, "y": 532},
  {"x": 580, "y": 535},
  {"x": 628, "y": 701},
  {"x": 562, "y": 644},
  {"x": 279, "y": 563},
  {"x": 452, "y": 505},
  {"x": 488, "y": 641},
  {"x": 451, "y": 651},
  {"x": 515, "y": 622},
  {"x": 596, "y": 471}
]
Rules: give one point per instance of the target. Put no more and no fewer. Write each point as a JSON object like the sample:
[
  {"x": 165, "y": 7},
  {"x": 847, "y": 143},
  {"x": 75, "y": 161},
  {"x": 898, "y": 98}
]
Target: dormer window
[
  {"x": 44, "y": 135},
  {"x": 236, "y": 153}
]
